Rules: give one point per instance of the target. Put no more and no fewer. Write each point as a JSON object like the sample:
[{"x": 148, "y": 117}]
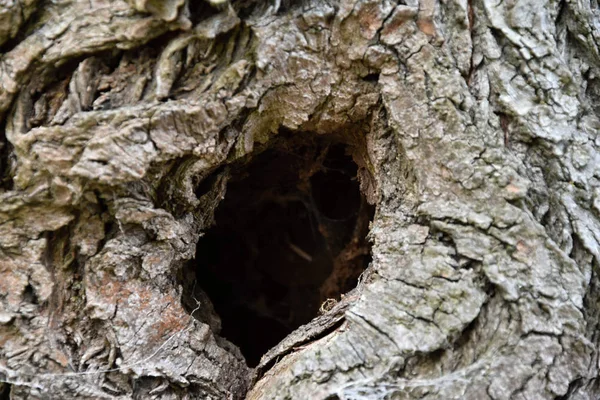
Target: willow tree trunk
[{"x": 474, "y": 127}]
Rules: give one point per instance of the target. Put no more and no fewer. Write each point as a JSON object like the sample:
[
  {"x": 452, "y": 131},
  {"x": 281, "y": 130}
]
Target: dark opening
[
  {"x": 6, "y": 178},
  {"x": 4, "y": 391},
  {"x": 29, "y": 295},
  {"x": 289, "y": 234},
  {"x": 371, "y": 78}
]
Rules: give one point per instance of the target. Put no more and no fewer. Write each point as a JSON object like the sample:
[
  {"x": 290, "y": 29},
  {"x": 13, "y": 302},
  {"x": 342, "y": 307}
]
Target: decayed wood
[{"x": 475, "y": 128}]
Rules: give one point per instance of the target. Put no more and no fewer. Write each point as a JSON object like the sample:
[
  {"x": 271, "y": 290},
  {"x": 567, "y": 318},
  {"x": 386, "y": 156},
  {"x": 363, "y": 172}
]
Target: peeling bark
[{"x": 473, "y": 125}]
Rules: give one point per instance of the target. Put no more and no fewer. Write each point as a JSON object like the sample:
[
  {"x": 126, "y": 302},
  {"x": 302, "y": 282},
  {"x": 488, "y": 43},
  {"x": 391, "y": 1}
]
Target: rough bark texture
[{"x": 475, "y": 127}]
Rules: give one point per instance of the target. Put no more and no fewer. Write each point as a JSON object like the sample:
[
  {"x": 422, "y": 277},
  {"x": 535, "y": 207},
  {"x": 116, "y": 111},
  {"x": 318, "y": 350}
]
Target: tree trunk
[{"x": 186, "y": 187}]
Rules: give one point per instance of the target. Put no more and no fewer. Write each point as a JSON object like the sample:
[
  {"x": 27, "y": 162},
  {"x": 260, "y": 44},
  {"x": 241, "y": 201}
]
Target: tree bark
[{"x": 475, "y": 128}]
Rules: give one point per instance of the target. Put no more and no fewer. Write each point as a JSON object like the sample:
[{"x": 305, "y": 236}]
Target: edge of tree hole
[{"x": 289, "y": 237}]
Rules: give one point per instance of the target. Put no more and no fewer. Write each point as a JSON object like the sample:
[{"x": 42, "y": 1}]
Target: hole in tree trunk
[
  {"x": 4, "y": 391},
  {"x": 289, "y": 234}
]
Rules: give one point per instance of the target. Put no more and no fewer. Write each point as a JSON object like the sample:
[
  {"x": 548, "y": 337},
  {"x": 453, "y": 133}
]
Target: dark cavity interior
[
  {"x": 289, "y": 234},
  {"x": 4, "y": 391}
]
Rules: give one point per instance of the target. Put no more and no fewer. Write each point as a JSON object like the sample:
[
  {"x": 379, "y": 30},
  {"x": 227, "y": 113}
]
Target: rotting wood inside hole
[{"x": 289, "y": 234}]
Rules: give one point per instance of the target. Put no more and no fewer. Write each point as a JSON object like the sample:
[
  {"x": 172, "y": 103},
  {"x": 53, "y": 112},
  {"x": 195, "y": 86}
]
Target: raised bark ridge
[{"x": 475, "y": 125}]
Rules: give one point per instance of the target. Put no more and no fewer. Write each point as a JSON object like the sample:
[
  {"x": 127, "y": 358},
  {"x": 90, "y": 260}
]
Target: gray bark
[{"x": 475, "y": 125}]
